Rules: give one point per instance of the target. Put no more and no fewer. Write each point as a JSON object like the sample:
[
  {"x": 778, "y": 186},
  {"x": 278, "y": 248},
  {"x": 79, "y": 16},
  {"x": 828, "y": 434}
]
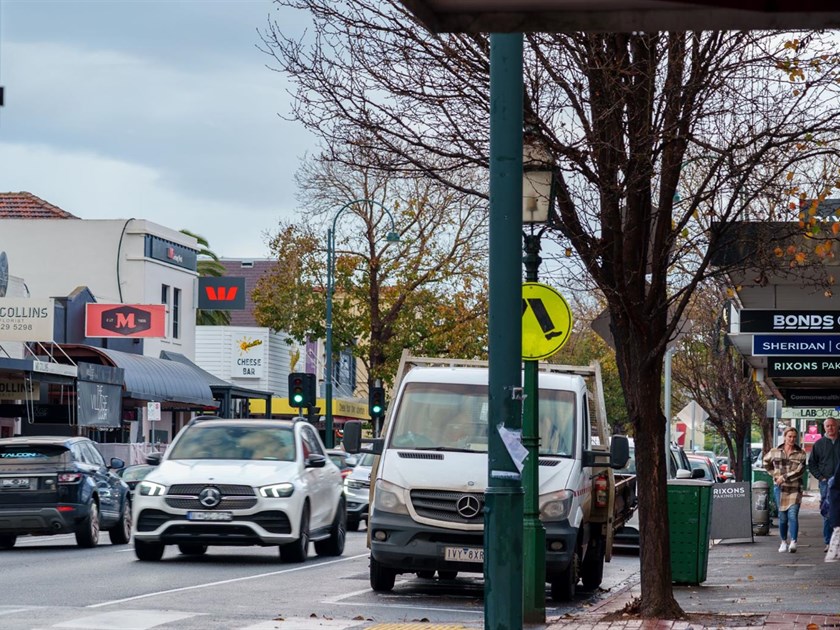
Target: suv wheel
[
  {"x": 88, "y": 533},
  {"x": 334, "y": 545},
  {"x": 7, "y": 541},
  {"x": 148, "y": 551},
  {"x": 192, "y": 549},
  {"x": 297, "y": 550},
  {"x": 121, "y": 532}
]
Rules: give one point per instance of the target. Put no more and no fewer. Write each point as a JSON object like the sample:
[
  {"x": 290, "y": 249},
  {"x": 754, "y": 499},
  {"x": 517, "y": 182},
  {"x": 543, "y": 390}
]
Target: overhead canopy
[
  {"x": 509, "y": 16},
  {"x": 150, "y": 379}
]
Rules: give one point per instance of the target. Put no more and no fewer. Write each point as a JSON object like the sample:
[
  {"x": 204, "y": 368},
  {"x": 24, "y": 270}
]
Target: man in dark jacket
[{"x": 825, "y": 457}]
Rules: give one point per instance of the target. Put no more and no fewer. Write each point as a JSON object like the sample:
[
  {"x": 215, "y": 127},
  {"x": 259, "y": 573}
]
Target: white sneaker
[
  {"x": 792, "y": 546},
  {"x": 783, "y": 547},
  {"x": 833, "y": 554}
]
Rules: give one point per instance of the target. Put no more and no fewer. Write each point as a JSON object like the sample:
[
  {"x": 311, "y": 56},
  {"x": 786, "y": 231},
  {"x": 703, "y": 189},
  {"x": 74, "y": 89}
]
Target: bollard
[{"x": 761, "y": 508}]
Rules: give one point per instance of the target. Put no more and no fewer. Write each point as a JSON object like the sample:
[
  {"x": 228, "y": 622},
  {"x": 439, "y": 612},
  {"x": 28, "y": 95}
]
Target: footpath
[{"x": 748, "y": 585}]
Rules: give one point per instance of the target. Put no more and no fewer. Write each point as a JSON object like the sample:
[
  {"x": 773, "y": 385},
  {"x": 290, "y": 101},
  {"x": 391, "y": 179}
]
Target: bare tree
[
  {"x": 624, "y": 114},
  {"x": 715, "y": 375}
]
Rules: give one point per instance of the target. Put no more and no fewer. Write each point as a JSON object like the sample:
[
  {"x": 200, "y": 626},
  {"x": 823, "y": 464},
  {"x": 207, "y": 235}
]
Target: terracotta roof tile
[{"x": 24, "y": 205}]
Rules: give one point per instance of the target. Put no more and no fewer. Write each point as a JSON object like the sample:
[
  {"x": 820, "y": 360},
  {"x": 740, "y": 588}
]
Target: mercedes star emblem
[
  {"x": 210, "y": 497},
  {"x": 468, "y": 506}
]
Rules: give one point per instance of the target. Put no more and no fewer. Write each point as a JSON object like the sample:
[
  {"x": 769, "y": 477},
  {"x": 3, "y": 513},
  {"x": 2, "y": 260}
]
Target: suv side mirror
[
  {"x": 153, "y": 459},
  {"x": 117, "y": 463},
  {"x": 697, "y": 474},
  {"x": 315, "y": 461}
]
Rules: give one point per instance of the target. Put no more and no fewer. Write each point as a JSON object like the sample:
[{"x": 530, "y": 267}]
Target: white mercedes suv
[{"x": 242, "y": 482}]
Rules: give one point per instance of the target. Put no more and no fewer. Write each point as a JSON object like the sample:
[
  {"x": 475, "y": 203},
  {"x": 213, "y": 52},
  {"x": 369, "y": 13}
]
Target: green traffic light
[{"x": 376, "y": 409}]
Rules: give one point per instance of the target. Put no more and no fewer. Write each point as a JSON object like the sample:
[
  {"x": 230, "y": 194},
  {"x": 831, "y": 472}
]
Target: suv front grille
[
  {"x": 234, "y": 496},
  {"x": 442, "y": 505},
  {"x": 228, "y": 503},
  {"x": 224, "y": 488}
]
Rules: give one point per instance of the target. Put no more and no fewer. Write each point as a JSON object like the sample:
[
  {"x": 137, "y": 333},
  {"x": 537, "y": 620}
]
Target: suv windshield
[{"x": 205, "y": 441}]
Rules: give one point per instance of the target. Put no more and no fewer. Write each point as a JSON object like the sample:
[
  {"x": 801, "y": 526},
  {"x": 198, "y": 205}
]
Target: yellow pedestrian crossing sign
[{"x": 546, "y": 321}]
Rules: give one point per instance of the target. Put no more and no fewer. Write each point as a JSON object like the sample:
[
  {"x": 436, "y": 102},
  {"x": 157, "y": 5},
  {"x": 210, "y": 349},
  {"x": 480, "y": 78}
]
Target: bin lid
[{"x": 689, "y": 482}]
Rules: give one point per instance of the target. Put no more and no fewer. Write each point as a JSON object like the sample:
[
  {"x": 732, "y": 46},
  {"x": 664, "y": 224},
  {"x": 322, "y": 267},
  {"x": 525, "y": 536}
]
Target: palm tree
[{"x": 208, "y": 264}]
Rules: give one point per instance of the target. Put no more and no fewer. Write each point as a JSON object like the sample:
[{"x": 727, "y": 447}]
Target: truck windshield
[{"x": 451, "y": 416}]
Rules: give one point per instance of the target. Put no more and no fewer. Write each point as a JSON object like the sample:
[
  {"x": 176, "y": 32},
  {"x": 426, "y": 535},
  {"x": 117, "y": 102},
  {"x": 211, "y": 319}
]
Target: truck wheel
[
  {"x": 592, "y": 569},
  {"x": 381, "y": 578},
  {"x": 7, "y": 541},
  {"x": 563, "y": 588}
]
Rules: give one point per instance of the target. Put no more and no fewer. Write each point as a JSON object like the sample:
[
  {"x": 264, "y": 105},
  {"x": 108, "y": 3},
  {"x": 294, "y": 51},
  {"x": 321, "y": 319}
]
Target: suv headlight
[
  {"x": 389, "y": 497},
  {"x": 277, "y": 490},
  {"x": 556, "y": 505},
  {"x": 151, "y": 489},
  {"x": 352, "y": 484}
]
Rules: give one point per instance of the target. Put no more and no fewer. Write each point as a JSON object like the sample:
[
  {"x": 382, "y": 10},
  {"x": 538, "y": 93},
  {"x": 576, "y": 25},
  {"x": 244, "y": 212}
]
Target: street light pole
[{"x": 392, "y": 237}]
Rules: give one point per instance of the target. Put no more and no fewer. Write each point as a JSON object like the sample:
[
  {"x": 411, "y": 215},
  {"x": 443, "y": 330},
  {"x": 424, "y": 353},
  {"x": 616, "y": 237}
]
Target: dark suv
[{"x": 59, "y": 485}]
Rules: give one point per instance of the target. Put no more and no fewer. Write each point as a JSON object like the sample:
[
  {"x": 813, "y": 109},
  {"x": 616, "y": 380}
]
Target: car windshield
[
  {"x": 232, "y": 442},
  {"x": 136, "y": 473},
  {"x": 366, "y": 460}
]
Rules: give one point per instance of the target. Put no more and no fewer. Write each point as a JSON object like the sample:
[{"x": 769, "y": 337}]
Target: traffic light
[
  {"x": 376, "y": 402},
  {"x": 301, "y": 389}
]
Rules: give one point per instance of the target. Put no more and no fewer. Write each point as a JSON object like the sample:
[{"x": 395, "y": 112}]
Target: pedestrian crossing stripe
[{"x": 546, "y": 321}]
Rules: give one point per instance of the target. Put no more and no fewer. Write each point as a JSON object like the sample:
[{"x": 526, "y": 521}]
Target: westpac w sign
[{"x": 221, "y": 294}]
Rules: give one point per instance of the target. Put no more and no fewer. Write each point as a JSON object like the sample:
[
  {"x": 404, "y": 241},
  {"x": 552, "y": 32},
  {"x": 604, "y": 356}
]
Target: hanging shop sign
[
  {"x": 125, "y": 320},
  {"x": 247, "y": 357},
  {"x": 775, "y": 321},
  {"x": 796, "y": 345},
  {"x": 803, "y": 366},
  {"x": 221, "y": 294},
  {"x": 26, "y": 319},
  {"x": 17, "y": 389}
]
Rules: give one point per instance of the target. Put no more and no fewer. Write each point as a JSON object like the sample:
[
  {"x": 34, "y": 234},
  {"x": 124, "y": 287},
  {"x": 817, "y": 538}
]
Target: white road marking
[
  {"x": 11, "y": 611},
  {"x": 302, "y": 623},
  {"x": 126, "y": 620},
  {"x": 230, "y": 581},
  {"x": 337, "y": 600}
]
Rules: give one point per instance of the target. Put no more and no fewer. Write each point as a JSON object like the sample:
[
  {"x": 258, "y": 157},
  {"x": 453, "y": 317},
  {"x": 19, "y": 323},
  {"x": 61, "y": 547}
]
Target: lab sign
[
  {"x": 817, "y": 413},
  {"x": 248, "y": 357}
]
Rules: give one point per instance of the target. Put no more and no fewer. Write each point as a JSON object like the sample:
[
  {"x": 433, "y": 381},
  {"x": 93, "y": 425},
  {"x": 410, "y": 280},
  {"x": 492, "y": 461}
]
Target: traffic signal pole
[{"x": 504, "y": 494}]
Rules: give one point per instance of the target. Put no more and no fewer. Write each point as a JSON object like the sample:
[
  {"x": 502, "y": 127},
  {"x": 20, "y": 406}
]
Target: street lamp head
[
  {"x": 392, "y": 237},
  {"x": 537, "y": 180}
]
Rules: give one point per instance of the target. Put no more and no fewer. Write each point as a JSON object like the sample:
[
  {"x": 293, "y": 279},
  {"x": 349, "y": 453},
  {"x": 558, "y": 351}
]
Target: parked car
[
  {"x": 132, "y": 475},
  {"x": 357, "y": 491},
  {"x": 708, "y": 467},
  {"x": 61, "y": 485},
  {"x": 242, "y": 482},
  {"x": 345, "y": 461}
]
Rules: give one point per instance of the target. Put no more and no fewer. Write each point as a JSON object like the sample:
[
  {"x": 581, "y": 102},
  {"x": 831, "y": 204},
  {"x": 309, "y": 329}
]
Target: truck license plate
[
  {"x": 16, "y": 483},
  {"x": 209, "y": 516},
  {"x": 464, "y": 554}
]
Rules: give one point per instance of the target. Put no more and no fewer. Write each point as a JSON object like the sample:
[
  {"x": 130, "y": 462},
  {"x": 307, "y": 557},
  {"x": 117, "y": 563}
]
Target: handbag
[{"x": 833, "y": 553}]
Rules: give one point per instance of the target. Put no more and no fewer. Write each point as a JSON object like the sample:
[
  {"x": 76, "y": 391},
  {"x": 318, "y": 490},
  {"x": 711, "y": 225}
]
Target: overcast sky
[{"x": 153, "y": 109}]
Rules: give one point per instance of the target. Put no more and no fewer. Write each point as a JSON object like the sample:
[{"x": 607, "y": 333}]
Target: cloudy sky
[{"x": 152, "y": 109}]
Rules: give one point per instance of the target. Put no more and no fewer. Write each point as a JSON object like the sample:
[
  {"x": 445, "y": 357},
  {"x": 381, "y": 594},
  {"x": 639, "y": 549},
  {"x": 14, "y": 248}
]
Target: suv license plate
[
  {"x": 209, "y": 516},
  {"x": 16, "y": 483},
  {"x": 463, "y": 554}
]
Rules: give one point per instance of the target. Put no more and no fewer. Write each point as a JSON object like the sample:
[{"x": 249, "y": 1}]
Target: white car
[{"x": 242, "y": 482}]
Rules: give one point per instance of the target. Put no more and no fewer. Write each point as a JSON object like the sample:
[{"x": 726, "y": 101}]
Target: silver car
[{"x": 357, "y": 491}]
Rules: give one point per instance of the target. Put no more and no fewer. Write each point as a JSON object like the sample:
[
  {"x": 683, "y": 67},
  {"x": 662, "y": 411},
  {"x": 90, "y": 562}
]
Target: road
[{"x": 49, "y": 582}]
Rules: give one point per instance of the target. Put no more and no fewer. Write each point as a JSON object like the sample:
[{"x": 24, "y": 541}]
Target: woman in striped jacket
[{"x": 786, "y": 465}]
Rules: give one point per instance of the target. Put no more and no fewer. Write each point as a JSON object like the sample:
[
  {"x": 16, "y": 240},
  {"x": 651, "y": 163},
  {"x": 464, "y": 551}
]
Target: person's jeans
[
  {"x": 826, "y": 519},
  {"x": 787, "y": 519}
]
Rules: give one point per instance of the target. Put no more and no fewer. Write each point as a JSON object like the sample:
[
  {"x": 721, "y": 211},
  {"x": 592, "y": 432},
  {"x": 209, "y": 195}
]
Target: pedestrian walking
[
  {"x": 825, "y": 457},
  {"x": 786, "y": 465}
]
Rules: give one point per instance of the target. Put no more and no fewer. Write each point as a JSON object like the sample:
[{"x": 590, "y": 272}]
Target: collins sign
[
  {"x": 125, "y": 320},
  {"x": 221, "y": 294}
]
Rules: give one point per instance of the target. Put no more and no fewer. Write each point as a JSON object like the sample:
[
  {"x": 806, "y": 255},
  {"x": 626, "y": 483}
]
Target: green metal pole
[
  {"x": 533, "y": 531},
  {"x": 504, "y": 495}
]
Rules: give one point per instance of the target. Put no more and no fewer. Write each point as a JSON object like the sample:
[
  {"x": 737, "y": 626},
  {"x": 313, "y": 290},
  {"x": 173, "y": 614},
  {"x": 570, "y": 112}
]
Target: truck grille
[{"x": 442, "y": 505}]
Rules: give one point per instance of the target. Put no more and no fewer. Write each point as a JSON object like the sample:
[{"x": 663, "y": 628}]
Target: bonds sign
[{"x": 546, "y": 321}]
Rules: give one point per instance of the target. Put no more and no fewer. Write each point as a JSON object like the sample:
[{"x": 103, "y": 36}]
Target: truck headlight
[
  {"x": 151, "y": 489},
  {"x": 277, "y": 490},
  {"x": 389, "y": 497},
  {"x": 556, "y": 506}
]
